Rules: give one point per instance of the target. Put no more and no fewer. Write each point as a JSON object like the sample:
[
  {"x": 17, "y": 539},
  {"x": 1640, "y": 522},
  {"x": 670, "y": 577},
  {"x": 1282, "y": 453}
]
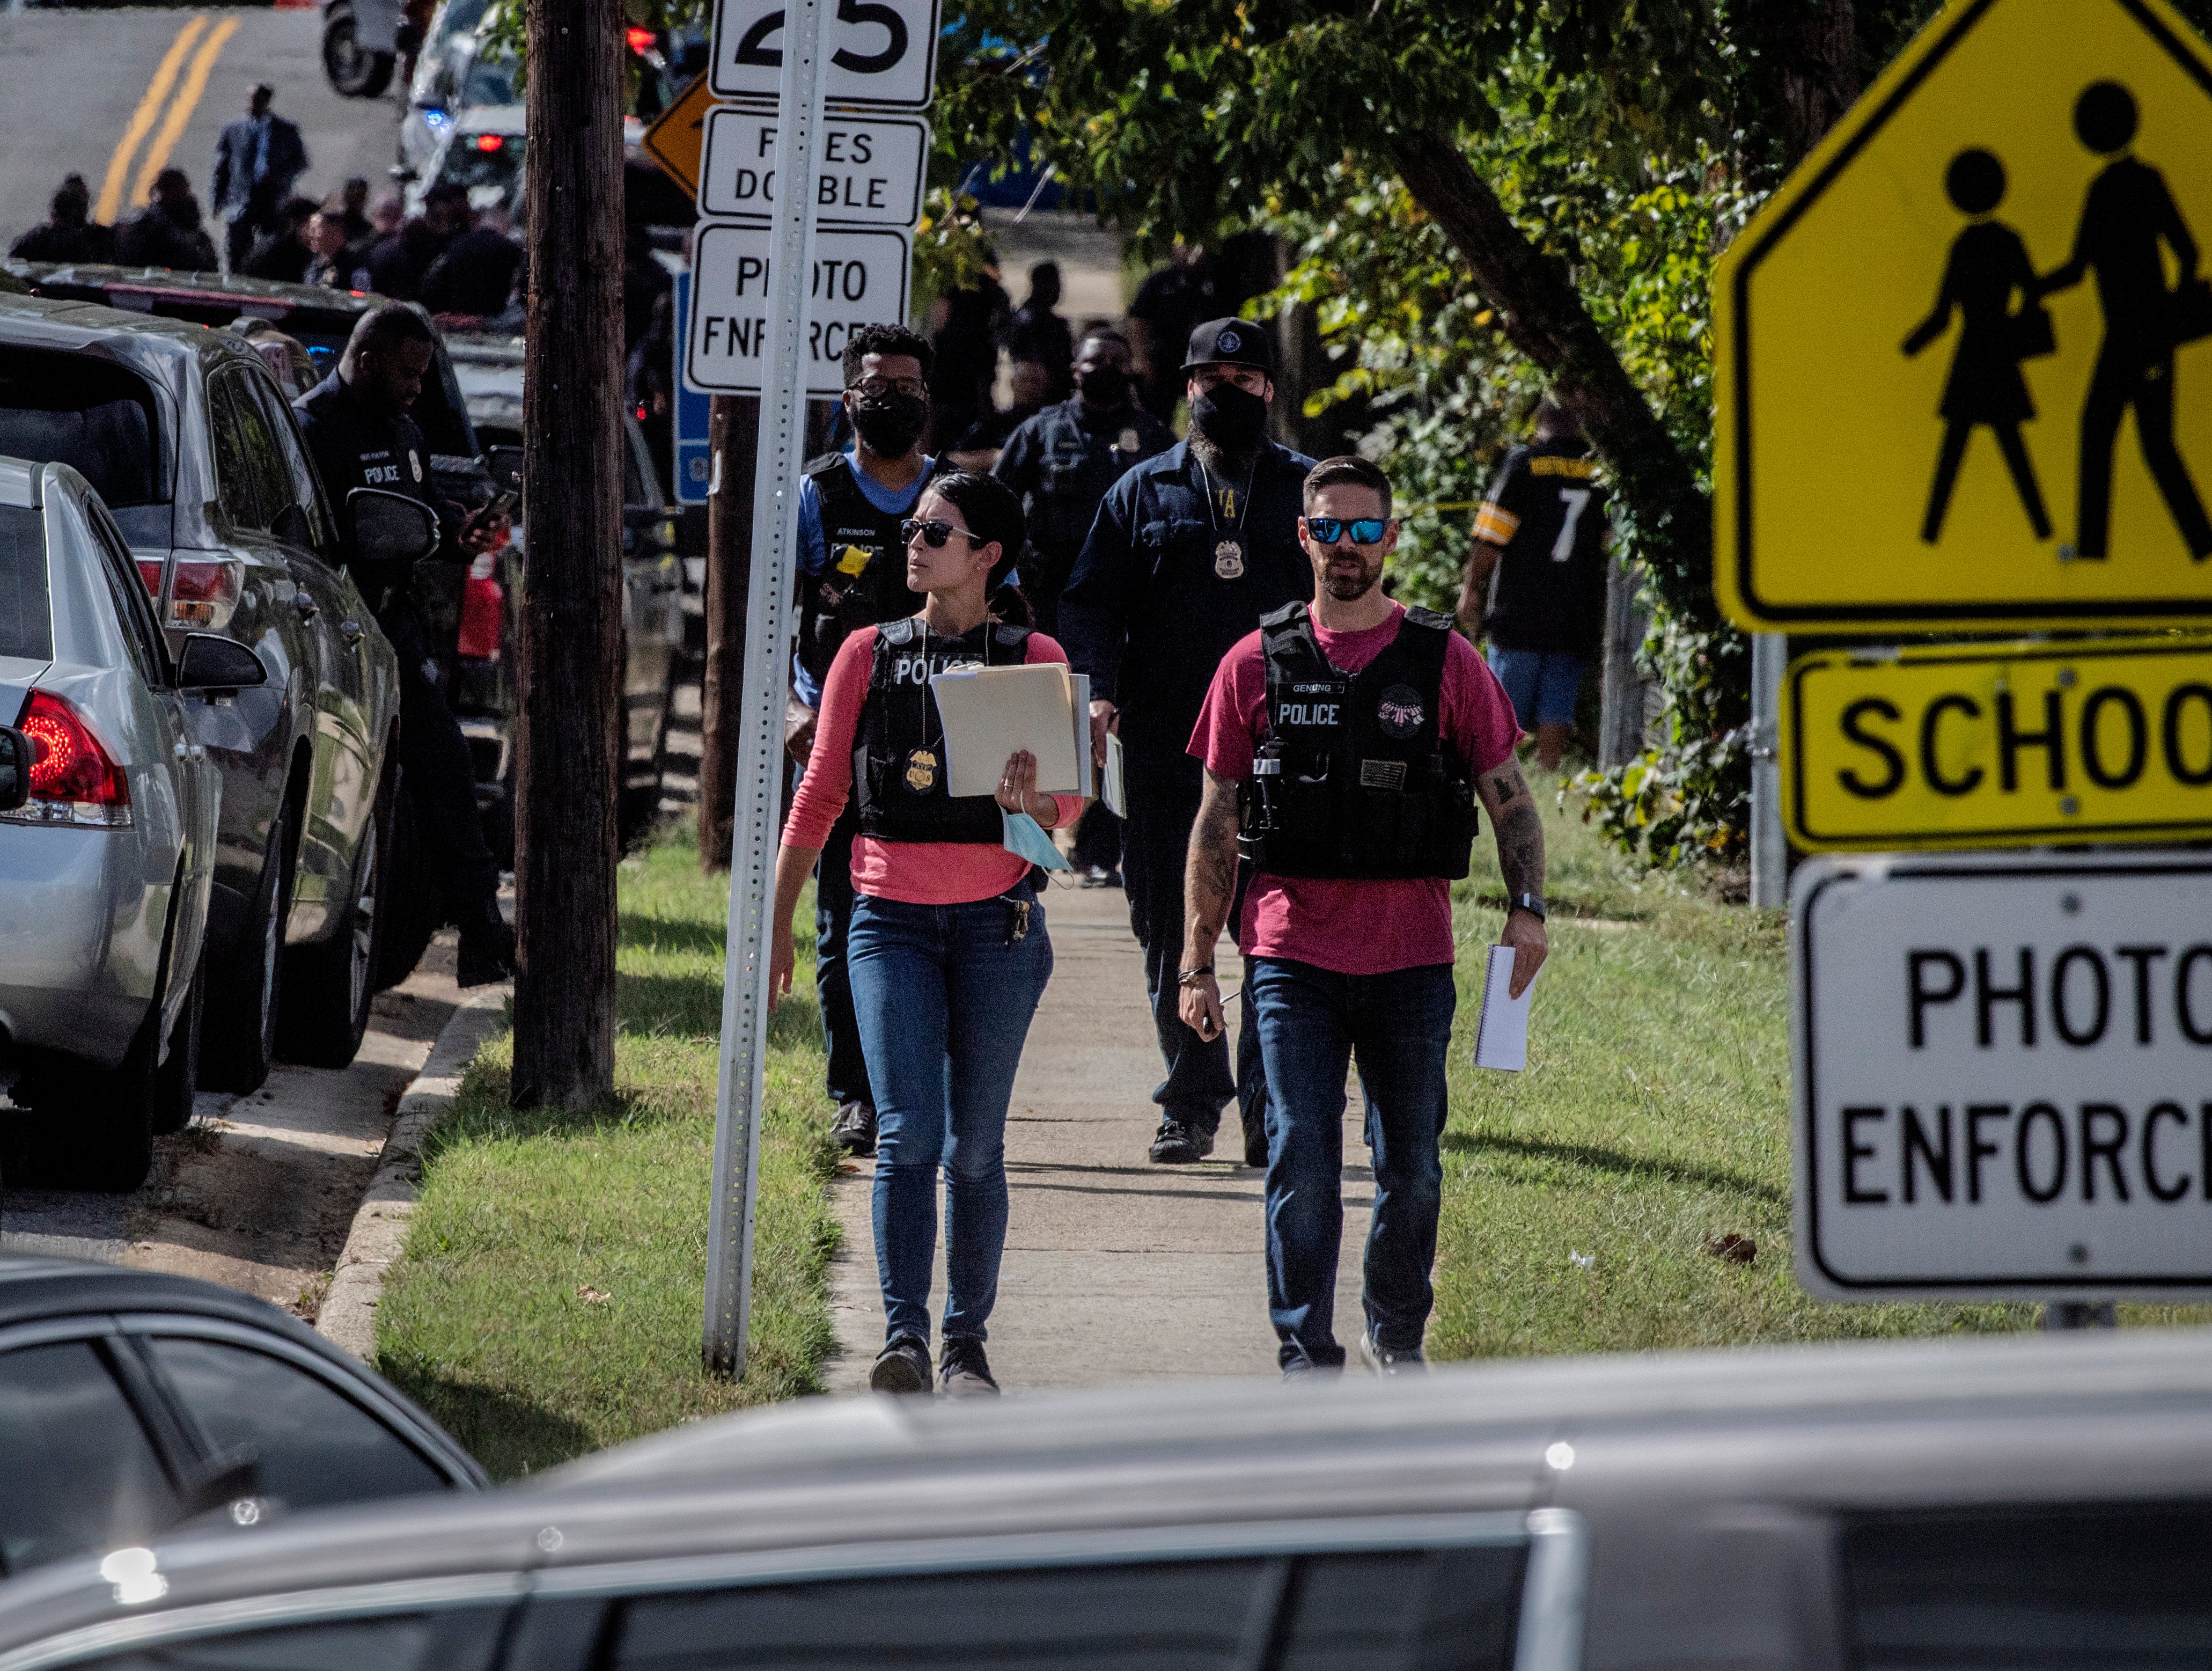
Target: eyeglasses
[
  {"x": 876, "y": 387},
  {"x": 1367, "y": 531},
  {"x": 934, "y": 534}
]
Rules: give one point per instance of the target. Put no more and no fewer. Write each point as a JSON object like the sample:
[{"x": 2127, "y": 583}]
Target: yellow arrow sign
[
  {"x": 678, "y": 137},
  {"x": 1991, "y": 746},
  {"x": 1964, "y": 373}
]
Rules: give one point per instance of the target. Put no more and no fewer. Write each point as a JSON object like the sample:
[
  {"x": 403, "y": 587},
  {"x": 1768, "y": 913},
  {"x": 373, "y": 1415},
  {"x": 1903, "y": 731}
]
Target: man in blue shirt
[
  {"x": 852, "y": 573},
  {"x": 1189, "y": 550}
]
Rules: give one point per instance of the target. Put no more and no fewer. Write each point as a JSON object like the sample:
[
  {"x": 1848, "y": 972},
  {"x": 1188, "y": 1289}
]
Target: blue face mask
[{"x": 1025, "y": 838}]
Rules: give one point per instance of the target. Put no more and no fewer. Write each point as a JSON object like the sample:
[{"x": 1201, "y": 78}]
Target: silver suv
[{"x": 186, "y": 437}]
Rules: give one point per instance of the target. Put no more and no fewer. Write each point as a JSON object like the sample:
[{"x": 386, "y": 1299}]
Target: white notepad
[
  {"x": 1501, "y": 1037},
  {"x": 1112, "y": 789},
  {"x": 992, "y": 712}
]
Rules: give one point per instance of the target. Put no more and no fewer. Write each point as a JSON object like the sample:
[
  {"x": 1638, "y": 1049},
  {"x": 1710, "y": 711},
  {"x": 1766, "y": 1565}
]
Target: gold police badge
[{"x": 921, "y": 771}]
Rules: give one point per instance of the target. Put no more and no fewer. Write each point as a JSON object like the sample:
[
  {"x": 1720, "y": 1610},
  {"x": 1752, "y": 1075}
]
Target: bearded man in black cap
[{"x": 1189, "y": 550}]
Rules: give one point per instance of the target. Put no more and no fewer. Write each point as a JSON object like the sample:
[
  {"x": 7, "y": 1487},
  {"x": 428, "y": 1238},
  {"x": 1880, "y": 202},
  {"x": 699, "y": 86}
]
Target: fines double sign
[
  {"x": 1986, "y": 745},
  {"x": 2003, "y": 1077}
]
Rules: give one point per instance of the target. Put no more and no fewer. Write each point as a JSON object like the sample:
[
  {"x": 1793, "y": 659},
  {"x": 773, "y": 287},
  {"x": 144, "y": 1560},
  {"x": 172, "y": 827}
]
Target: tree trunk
[
  {"x": 1817, "y": 56},
  {"x": 569, "y": 673},
  {"x": 734, "y": 440},
  {"x": 1544, "y": 318}
]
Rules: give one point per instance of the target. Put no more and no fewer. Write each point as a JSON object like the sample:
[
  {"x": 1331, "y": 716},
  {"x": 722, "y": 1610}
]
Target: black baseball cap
[{"x": 1232, "y": 343}]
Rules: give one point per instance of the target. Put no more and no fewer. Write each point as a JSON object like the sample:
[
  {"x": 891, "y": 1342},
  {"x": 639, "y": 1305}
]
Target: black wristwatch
[{"x": 1532, "y": 903}]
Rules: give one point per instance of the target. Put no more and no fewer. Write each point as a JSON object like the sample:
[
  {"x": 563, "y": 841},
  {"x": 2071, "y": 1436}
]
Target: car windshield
[
  {"x": 26, "y": 625},
  {"x": 90, "y": 414},
  {"x": 490, "y": 80}
]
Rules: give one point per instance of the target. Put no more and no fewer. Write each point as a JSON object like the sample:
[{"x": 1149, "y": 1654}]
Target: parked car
[
  {"x": 481, "y": 149},
  {"x": 362, "y": 40},
  {"x": 194, "y": 451},
  {"x": 1992, "y": 1502},
  {"x": 131, "y": 1401},
  {"x": 107, "y": 833}
]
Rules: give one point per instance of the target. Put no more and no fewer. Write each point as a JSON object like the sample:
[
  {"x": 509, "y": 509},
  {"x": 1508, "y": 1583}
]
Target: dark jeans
[
  {"x": 238, "y": 240},
  {"x": 944, "y": 995},
  {"x": 1313, "y": 1023},
  {"x": 847, "y": 1081},
  {"x": 1155, "y": 847},
  {"x": 442, "y": 781}
]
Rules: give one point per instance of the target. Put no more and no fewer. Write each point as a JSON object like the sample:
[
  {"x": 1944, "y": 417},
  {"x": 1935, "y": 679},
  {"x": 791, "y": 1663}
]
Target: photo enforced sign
[{"x": 2003, "y": 1072}]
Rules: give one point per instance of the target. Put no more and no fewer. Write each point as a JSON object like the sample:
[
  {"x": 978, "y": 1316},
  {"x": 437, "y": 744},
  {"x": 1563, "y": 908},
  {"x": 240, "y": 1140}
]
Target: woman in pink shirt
[{"x": 948, "y": 950}]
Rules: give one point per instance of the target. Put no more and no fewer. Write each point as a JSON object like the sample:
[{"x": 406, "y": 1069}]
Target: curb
[{"x": 347, "y": 1316}]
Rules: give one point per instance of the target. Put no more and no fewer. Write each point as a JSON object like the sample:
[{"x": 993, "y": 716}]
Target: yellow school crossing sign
[{"x": 1963, "y": 359}]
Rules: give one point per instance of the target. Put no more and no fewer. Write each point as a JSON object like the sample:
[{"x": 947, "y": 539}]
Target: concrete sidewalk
[{"x": 1116, "y": 1269}]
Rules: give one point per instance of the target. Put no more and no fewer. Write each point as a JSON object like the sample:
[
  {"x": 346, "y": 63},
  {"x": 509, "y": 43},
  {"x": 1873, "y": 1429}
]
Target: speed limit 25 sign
[{"x": 883, "y": 53}]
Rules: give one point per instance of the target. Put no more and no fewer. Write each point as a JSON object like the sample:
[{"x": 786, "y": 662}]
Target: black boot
[{"x": 487, "y": 947}]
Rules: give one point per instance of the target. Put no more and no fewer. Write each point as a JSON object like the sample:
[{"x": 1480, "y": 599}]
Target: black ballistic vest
[
  {"x": 898, "y": 754},
  {"x": 864, "y": 582},
  {"x": 1352, "y": 780}
]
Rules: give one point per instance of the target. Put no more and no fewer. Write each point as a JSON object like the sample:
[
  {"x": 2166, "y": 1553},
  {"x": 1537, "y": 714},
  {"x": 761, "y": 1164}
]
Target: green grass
[
  {"x": 1653, "y": 1116},
  {"x": 494, "y": 1320}
]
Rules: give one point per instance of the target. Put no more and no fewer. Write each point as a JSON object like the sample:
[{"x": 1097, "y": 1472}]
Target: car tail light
[
  {"x": 206, "y": 594},
  {"x": 74, "y": 779},
  {"x": 491, "y": 141},
  {"x": 483, "y": 610},
  {"x": 640, "y": 40}
]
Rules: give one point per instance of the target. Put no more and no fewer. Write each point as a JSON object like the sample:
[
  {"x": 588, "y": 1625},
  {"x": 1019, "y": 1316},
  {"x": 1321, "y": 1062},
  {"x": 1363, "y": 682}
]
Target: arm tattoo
[
  {"x": 1519, "y": 830},
  {"x": 1210, "y": 876}
]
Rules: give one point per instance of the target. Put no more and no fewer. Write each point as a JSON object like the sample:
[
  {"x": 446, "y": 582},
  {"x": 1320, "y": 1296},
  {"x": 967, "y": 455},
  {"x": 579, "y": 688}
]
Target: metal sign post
[{"x": 759, "y": 753}]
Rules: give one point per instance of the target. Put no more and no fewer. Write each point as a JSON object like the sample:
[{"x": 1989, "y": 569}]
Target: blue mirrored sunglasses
[{"x": 1367, "y": 531}]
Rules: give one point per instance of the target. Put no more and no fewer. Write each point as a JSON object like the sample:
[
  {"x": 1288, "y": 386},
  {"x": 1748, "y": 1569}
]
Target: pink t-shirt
[
  {"x": 1353, "y": 927},
  {"x": 918, "y": 872}
]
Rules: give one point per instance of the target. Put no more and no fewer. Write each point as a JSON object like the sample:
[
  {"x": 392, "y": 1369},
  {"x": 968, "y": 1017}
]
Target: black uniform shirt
[
  {"x": 357, "y": 447},
  {"x": 1155, "y": 602},
  {"x": 1061, "y": 462},
  {"x": 1547, "y": 592}
]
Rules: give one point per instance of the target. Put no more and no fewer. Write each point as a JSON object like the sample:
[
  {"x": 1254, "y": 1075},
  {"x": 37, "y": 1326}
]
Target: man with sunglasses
[
  {"x": 1189, "y": 549},
  {"x": 1345, "y": 745},
  {"x": 852, "y": 573}
]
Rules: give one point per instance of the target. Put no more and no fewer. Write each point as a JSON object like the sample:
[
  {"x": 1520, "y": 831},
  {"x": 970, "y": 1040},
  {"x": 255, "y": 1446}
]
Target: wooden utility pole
[
  {"x": 733, "y": 437},
  {"x": 569, "y": 671}
]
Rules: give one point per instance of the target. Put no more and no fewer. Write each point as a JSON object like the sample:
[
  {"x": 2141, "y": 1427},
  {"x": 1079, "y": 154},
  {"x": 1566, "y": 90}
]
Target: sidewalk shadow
[{"x": 1612, "y": 1160}]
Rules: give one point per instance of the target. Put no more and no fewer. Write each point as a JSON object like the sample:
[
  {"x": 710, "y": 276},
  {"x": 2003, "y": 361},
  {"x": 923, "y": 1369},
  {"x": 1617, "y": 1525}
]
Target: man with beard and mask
[
  {"x": 1345, "y": 745},
  {"x": 356, "y": 425},
  {"x": 1061, "y": 462},
  {"x": 1189, "y": 551},
  {"x": 852, "y": 573}
]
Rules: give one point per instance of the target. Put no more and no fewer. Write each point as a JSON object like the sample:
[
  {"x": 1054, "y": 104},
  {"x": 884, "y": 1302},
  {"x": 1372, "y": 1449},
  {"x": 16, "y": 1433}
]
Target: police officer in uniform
[
  {"x": 1345, "y": 745},
  {"x": 1189, "y": 550},
  {"x": 852, "y": 573},
  {"x": 1061, "y": 462},
  {"x": 356, "y": 425}
]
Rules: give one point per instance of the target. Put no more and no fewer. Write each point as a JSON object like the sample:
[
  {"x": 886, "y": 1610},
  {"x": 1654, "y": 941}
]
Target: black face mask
[
  {"x": 891, "y": 423},
  {"x": 1104, "y": 385},
  {"x": 1231, "y": 417}
]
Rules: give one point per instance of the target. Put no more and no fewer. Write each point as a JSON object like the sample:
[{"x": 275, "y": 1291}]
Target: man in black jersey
[{"x": 1535, "y": 578}]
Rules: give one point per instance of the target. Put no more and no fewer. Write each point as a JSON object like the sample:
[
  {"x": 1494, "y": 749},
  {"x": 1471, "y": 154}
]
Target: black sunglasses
[
  {"x": 934, "y": 534},
  {"x": 1367, "y": 531}
]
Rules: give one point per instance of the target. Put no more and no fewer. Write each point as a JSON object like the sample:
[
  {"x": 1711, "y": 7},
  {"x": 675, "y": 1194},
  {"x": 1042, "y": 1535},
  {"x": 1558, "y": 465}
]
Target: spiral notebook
[{"x": 1501, "y": 1037}]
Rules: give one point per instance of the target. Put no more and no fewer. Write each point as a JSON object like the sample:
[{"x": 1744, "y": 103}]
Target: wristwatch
[{"x": 1532, "y": 903}]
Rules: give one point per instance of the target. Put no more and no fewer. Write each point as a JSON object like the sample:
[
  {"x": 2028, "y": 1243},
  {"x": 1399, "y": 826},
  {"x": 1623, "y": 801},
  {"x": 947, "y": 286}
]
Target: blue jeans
[
  {"x": 1542, "y": 683},
  {"x": 1313, "y": 1023},
  {"x": 944, "y": 997},
  {"x": 1155, "y": 849}
]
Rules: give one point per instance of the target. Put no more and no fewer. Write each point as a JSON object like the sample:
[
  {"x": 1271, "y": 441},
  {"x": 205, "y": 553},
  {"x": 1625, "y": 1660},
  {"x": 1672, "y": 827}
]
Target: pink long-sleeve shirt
[{"x": 917, "y": 872}]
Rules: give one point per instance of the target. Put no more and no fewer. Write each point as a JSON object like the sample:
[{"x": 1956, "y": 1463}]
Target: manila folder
[{"x": 991, "y": 712}]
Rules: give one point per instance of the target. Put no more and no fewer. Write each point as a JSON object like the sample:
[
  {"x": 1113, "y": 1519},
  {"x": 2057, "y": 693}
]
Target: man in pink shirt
[{"x": 1345, "y": 747}]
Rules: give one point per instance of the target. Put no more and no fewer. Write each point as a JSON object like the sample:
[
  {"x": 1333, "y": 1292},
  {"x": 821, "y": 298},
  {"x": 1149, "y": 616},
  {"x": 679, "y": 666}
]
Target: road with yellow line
[{"x": 116, "y": 96}]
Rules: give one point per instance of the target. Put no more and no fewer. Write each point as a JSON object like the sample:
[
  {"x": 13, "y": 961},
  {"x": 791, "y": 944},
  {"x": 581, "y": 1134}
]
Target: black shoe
[
  {"x": 1178, "y": 1145},
  {"x": 486, "y": 953},
  {"x": 965, "y": 1372},
  {"x": 854, "y": 1128},
  {"x": 903, "y": 1366}
]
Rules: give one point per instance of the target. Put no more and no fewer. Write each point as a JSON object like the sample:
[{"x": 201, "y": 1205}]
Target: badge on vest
[
  {"x": 1229, "y": 559},
  {"x": 921, "y": 771},
  {"x": 1130, "y": 442},
  {"x": 1399, "y": 713},
  {"x": 414, "y": 463}
]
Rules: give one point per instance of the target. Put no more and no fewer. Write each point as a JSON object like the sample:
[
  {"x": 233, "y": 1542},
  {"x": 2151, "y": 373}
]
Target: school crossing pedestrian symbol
[{"x": 1963, "y": 359}]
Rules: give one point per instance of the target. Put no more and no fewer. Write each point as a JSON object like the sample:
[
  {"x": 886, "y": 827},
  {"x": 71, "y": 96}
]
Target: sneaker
[
  {"x": 486, "y": 953},
  {"x": 1302, "y": 1368},
  {"x": 1391, "y": 1360},
  {"x": 1097, "y": 876},
  {"x": 1177, "y": 1144},
  {"x": 854, "y": 1128},
  {"x": 966, "y": 1373},
  {"x": 903, "y": 1366}
]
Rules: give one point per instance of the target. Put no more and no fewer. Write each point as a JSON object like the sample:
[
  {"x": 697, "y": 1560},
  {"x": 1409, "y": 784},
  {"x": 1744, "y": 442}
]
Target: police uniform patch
[
  {"x": 1400, "y": 712},
  {"x": 1227, "y": 342}
]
